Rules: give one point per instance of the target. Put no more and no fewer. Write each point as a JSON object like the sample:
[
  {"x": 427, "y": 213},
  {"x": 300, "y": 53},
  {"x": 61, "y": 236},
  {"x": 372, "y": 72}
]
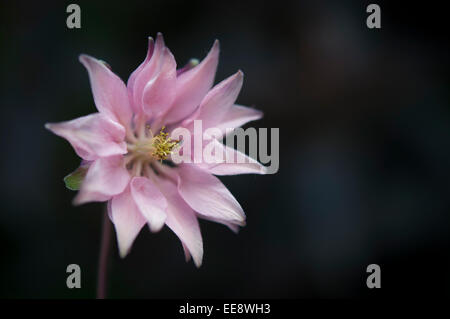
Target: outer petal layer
[
  {"x": 106, "y": 177},
  {"x": 229, "y": 161},
  {"x": 207, "y": 195},
  {"x": 192, "y": 86},
  {"x": 150, "y": 202},
  {"x": 110, "y": 93},
  {"x": 181, "y": 219},
  {"x": 218, "y": 102},
  {"x": 92, "y": 136},
  {"x": 127, "y": 219},
  {"x": 237, "y": 116}
]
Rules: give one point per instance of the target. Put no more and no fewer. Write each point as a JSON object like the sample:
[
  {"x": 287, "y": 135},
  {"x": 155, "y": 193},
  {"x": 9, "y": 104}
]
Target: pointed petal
[
  {"x": 106, "y": 177},
  {"x": 150, "y": 202},
  {"x": 207, "y": 195},
  {"x": 133, "y": 76},
  {"x": 237, "y": 116},
  {"x": 127, "y": 219},
  {"x": 92, "y": 136},
  {"x": 148, "y": 72},
  {"x": 187, "y": 254},
  {"x": 193, "y": 85},
  {"x": 110, "y": 93},
  {"x": 217, "y": 102},
  {"x": 182, "y": 220},
  {"x": 229, "y": 161},
  {"x": 159, "y": 92}
]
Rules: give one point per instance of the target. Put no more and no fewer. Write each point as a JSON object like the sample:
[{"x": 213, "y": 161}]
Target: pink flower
[{"x": 126, "y": 151}]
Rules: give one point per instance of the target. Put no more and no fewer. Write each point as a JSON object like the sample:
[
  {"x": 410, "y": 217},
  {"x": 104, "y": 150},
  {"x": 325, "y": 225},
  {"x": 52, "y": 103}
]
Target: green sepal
[{"x": 73, "y": 180}]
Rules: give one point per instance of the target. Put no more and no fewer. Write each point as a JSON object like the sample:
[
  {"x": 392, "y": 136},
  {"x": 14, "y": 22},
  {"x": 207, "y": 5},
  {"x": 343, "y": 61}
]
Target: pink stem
[{"x": 103, "y": 257}]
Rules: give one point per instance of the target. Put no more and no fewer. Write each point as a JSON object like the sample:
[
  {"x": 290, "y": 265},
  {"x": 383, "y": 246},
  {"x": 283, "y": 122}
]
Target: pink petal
[
  {"x": 187, "y": 254},
  {"x": 133, "y": 76},
  {"x": 148, "y": 72},
  {"x": 237, "y": 116},
  {"x": 193, "y": 85},
  {"x": 207, "y": 195},
  {"x": 110, "y": 93},
  {"x": 127, "y": 219},
  {"x": 106, "y": 177},
  {"x": 150, "y": 202},
  {"x": 230, "y": 161},
  {"x": 182, "y": 220},
  {"x": 159, "y": 92},
  {"x": 218, "y": 102},
  {"x": 92, "y": 136}
]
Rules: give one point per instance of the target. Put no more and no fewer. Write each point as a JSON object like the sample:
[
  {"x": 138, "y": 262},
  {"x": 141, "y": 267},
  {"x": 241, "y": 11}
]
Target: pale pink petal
[
  {"x": 229, "y": 161},
  {"x": 148, "y": 72},
  {"x": 182, "y": 220},
  {"x": 132, "y": 78},
  {"x": 150, "y": 201},
  {"x": 193, "y": 85},
  {"x": 218, "y": 102},
  {"x": 159, "y": 92},
  {"x": 187, "y": 254},
  {"x": 92, "y": 136},
  {"x": 127, "y": 219},
  {"x": 237, "y": 116},
  {"x": 207, "y": 195},
  {"x": 110, "y": 93},
  {"x": 106, "y": 177}
]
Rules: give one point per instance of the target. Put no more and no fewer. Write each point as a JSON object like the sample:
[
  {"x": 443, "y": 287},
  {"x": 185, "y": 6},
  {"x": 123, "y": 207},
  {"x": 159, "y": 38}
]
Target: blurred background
[{"x": 364, "y": 173}]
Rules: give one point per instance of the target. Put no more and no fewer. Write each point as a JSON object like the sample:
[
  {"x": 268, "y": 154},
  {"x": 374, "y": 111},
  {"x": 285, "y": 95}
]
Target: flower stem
[{"x": 103, "y": 257}]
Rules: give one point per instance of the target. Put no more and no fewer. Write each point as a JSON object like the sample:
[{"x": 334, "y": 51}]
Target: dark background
[{"x": 364, "y": 173}]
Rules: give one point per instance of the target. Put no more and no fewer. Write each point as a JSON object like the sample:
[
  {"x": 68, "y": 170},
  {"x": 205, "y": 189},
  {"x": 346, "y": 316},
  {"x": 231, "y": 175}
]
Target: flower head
[{"x": 126, "y": 146}]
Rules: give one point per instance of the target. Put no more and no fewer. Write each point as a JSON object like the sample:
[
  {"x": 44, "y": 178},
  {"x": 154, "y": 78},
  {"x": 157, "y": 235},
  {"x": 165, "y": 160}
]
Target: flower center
[
  {"x": 162, "y": 145},
  {"x": 155, "y": 147}
]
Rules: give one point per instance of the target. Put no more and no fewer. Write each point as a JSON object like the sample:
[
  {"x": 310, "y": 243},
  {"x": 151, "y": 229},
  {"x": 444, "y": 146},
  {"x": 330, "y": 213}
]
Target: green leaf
[{"x": 73, "y": 180}]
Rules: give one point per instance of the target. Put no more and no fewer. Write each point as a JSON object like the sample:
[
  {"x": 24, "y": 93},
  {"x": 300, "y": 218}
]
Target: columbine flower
[{"x": 126, "y": 148}]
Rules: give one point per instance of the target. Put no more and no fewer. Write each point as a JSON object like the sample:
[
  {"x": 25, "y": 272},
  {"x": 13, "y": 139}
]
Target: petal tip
[
  {"x": 216, "y": 45},
  {"x": 155, "y": 228},
  {"x": 89, "y": 61},
  {"x": 78, "y": 200},
  {"x": 84, "y": 58},
  {"x": 198, "y": 261},
  {"x": 150, "y": 47},
  {"x": 123, "y": 252},
  {"x": 262, "y": 170},
  {"x": 160, "y": 38}
]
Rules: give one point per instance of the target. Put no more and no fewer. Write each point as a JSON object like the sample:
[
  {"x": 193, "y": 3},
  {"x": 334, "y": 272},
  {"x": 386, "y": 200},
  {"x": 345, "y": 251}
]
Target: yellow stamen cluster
[{"x": 162, "y": 145}]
